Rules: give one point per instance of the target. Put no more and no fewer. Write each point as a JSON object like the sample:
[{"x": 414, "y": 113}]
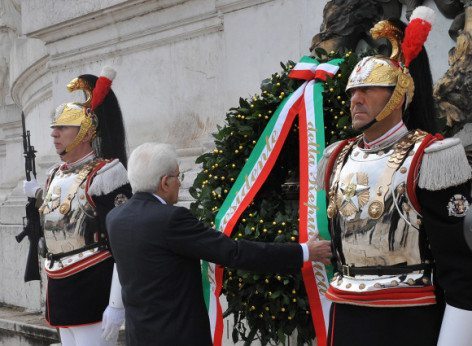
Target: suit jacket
[{"x": 157, "y": 249}]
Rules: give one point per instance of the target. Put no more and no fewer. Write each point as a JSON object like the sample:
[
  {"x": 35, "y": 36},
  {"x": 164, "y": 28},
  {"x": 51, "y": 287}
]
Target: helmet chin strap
[{"x": 368, "y": 125}]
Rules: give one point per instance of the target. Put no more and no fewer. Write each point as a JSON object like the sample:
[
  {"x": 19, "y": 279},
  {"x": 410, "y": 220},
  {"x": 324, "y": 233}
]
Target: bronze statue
[
  {"x": 347, "y": 22},
  {"x": 453, "y": 90}
]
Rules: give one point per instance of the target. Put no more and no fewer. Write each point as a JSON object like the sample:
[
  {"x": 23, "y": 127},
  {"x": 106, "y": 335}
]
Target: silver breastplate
[
  {"x": 378, "y": 225},
  {"x": 66, "y": 211}
]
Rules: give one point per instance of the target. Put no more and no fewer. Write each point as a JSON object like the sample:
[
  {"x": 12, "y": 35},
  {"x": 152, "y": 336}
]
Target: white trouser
[
  {"x": 89, "y": 335},
  {"x": 456, "y": 328}
]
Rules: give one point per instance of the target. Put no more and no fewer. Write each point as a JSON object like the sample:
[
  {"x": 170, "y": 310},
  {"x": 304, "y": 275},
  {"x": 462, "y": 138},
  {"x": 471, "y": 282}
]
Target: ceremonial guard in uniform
[
  {"x": 397, "y": 197},
  {"x": 79, "y": 192}
]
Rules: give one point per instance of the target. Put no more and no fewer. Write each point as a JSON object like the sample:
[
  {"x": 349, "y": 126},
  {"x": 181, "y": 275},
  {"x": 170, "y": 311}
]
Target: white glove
[
  {"x": 112, "y": 321},
  {"x": 30, "y": 187},
  {"x": 455, "y": 327}
]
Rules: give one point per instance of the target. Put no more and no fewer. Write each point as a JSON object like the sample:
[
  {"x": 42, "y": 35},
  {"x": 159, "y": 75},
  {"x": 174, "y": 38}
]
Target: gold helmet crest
[{"x": 82, "y": 114}]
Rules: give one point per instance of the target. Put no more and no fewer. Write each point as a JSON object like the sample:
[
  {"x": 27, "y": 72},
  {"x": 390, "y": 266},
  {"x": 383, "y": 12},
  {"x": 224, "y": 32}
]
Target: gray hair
[{"x": 148, "y": 163}]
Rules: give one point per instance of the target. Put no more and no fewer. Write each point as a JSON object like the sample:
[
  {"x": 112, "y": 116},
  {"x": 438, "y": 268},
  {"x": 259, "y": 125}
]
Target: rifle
[{"x": 32, "y": 226}]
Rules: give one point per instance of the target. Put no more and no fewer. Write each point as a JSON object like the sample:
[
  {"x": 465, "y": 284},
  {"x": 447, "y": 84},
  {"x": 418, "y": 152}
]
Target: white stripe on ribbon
[
  {"x": 313, "y": 67},
  {"x": 331, "y": 69},
  {"x": 305, "y": 66},
  {"x": 212, "y": 300},
  {"x": 256, "y": 170},
  {"x": 319, "y": 270},
  {"x": 305, "y": 89}
]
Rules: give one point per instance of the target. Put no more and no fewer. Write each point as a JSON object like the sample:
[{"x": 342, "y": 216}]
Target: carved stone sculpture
[
  {"x": 346, "y": 22},
  {"x": 410, "y": 6},
  {"x": 453, "y": 90},
  {"x": 3, "y": 80},
  {"x": 9, "y": 21}
]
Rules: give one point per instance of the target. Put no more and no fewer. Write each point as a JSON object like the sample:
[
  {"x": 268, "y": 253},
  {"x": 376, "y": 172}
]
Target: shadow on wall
[{"x": 187, "y": 130}]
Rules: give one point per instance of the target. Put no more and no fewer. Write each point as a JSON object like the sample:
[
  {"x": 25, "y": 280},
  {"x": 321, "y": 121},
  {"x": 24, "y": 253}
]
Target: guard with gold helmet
[
  {"x": 83, "y": 287},
  {"x": 397, "y": 197}
]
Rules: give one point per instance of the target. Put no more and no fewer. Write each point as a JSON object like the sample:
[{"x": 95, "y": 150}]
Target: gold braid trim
[
  {"x": 405, "y": 86},
  {"x": 87, "y": 123},
  {"x": 85, "y": 126}
]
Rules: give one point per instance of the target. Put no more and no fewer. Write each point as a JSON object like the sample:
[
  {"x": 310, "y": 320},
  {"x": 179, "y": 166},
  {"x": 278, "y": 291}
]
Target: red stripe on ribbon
[
  {"x": 302, "y": 74},
  {"x": 273, "y": 155},
  {"x": 265, "y": 170},
  {"x": 309, "y": 74},
  {"x": 303, "y": 146},
  {"x": 323, "y": 75},
  {"x": 218, "y": 337}
]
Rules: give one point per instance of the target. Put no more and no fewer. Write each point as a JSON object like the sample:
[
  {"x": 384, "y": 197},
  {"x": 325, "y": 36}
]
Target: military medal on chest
[{"x": 353, "y": 193}]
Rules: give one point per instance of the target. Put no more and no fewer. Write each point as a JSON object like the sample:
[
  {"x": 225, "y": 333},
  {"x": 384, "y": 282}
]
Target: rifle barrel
[{"x": 23, "y": 125}]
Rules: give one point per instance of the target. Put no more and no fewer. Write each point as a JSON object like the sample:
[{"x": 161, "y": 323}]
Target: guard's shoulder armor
[
  {"x": 323, "y": 164},
  {"x": 444, "y": 164},
  {"x": 106, "y": 177},
  {"x": 330, "y": 148},
  {"x": 53, "y": 169},
  {"x": 51, "y": 172}
]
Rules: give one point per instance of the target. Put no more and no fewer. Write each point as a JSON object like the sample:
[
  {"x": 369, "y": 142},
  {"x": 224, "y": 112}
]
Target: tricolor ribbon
[{"x": 307, "y": 103}]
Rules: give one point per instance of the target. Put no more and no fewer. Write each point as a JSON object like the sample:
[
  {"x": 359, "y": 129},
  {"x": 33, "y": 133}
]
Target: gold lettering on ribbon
[
  {"x": 270, "y": 142},
  {"x": 247, "y": 183},
  {"x": 312, "y": 226},
  {"x": 312, "y": 161},
  {"x": 318, "y": 270}
]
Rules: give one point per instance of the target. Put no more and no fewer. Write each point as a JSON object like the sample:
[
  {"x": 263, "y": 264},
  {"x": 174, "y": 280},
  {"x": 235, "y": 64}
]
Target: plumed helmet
[
  {"x": 99, "y": 115},
  {"x": 393, "y": 71}
]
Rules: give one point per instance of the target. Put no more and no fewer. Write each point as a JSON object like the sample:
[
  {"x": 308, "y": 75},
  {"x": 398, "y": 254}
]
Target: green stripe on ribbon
[
  {"x": 250, "y": 164},
  {"x": 309, "y": 60},
  {"x": 321, "y": 216},
  {"x": 206, "y": 284}
]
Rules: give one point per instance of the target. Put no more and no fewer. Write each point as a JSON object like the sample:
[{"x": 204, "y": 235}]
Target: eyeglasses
[{"x": 179, "y": 176}]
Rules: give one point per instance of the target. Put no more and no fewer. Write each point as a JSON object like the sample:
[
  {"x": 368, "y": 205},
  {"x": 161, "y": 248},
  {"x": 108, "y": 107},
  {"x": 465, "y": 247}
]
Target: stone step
[{"x": 20, "y": 327}]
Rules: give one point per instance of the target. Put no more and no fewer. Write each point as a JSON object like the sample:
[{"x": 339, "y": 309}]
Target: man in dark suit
[{"x": 157, "y": 248}]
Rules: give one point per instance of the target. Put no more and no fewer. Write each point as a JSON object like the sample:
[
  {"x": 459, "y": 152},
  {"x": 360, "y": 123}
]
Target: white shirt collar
[
  {"x": 159, "y": 198},
  {"x": 71, "y": 165},
  {"x": 388, "y": 138}
]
